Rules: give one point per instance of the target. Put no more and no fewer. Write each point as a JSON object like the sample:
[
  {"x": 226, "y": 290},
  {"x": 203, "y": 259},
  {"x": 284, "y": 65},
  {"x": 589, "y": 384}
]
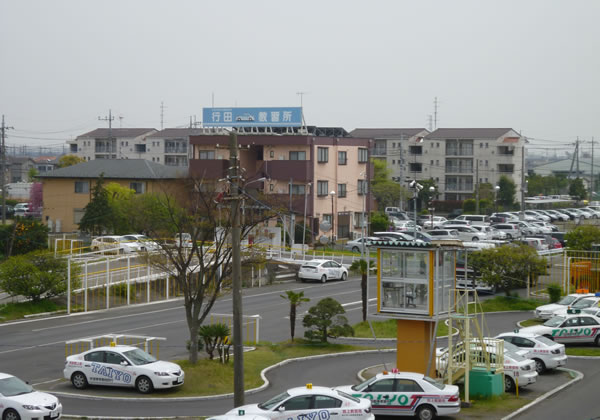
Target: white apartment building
[
  {"x": 169, "y": 146},
  {"x": 391, "y": 145},
  {"x": 457, "y": 158}
]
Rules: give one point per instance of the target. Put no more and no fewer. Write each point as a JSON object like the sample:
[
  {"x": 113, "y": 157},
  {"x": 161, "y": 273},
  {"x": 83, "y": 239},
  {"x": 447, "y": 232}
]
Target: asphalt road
[{"x": 34, "y": 350}]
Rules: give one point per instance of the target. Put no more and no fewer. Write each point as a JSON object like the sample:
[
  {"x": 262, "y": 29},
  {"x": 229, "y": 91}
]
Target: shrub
[
  {"x": 325, "y": 320},
  {"x": 555, "y": 291}
]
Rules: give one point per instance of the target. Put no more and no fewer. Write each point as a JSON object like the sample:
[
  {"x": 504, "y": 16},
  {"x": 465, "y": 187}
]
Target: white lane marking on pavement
[
  {"x": 32, "y": 347},
  {"x": 357, "y": 302}
]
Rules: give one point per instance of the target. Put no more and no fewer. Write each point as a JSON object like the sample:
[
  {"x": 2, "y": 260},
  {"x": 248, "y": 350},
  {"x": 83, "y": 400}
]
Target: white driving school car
[
  {"x": 407, "y": 394},
  {"x": 547, "y": 311},
  {"x": 310, "y": 403},
  {"x": 546, "y": 353},
  {"x": 19, "y": 401},
  {"x": 322, "y": 270},
  {"x": 124, "y": 366}
]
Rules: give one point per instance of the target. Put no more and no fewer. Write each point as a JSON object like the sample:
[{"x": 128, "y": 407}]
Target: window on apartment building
[
  {"x": 271, "y": 154},
  {"x": 486, "y": 145},
  {"x": 393, "y": 145},
  {"x": 271, "y": 187},
  {"x": 362, "y": 187},
  {"x": 327, "y": 218},
  {"x": 138, "y": 187},
  {"x": 415, "y": 167},
  {"x": 73, "y": 148},
  {"x": 82, "y": 187},
  {"x": 297, "y": 155},
  {"x": 322, "y": 154},
  {"x": 358, "y": 217},
  {"x": 393, "y": 161},
  {"x": 206, "y": 154},
  {"x": 431, "y": 163},
  {"x": 437, "y": 145},
  {"x": 486, "y": 163},
  {"x": 415, "y": 150},
  {"x": 341, "y": 190},
  {"x": 140, "y": 148},
  {"x": 480, "y": 145},
  {"x": 298, "y": 189},
  {"x": 342, "y": 158},
  {"x": 322, "y": 188},
  {"x": 363, "y": 155},
  {"x": 437, "y": 163}
]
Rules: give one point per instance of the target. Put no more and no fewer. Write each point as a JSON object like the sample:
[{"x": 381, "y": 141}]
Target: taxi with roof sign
[
  {"x": 546, "y": 354},
  {"x": 309, "y": 403},
  {"x": 588, "y": 302},
  {"x": 407, "y": 394},
  {"x": 547, "y": 311},
  {"x": 574, "y": 327}
]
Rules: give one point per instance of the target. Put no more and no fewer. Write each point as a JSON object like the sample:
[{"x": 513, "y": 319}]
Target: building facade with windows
[
  {"x": 458, "y": 159},
  {"x": 68, "y": 190},
  {"x": 303, "y": 170}
]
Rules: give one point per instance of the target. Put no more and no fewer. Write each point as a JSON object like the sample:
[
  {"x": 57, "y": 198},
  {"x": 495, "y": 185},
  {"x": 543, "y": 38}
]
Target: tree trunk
[
  {"x": 363, "y": 290},
  {"x": 292, "y": 320}
]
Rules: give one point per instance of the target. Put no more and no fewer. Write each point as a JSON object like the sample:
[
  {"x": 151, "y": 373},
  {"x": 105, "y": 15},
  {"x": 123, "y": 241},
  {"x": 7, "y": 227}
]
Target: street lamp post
[
  {"x": 306, "y": 187},
  {"x": 363, "y": 221},
  {"x": 496, "y": 189},
  {"x": 332, "y": 194},
  {"x": 431, "y": 209}
]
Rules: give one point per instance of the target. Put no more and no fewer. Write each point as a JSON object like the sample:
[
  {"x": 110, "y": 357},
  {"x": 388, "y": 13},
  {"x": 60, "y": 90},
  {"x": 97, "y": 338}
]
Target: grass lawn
[
  {"x": 18, "y": 310},
  {"x": 387, "y": 329},
  {"x": 481, "y": 408},
  {"x": 210, "y": 377},
  {"x": 532, "y": 322},
  {"x": 583, "y": 351},
  {"x": 508, "y": 303}
]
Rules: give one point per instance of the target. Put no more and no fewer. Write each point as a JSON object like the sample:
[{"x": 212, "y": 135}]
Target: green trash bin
[{"x": 485, "y": 383}]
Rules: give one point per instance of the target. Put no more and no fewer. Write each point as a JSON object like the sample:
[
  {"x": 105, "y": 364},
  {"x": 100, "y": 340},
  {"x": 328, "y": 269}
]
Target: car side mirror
[
  {"x": 124, "y": 363},
  {"x": 281, "y": 408}
]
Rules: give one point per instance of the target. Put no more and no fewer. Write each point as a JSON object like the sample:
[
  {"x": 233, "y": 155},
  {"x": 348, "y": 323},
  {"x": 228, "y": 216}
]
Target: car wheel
[
  {"x": 597, "y": 341},
  {"x": 79, "y": 380},
  {"x": 303, "y": 280},
  {"x": 11, "y": 414},
  {"x": 509, "y": 384},
  {"x": 355, "y": 249},
  {"x": 508, "y": 236},
  {"x": 324, "y": 278},
  {"x": 540, "y": 367},
  {"x": 474, "y": 239},
  {"x": 144, "y": 385},
  {"x": 95, "y": 248},
  {"x": 344, "y": 276},
  {"x": 425, "y": 412}
]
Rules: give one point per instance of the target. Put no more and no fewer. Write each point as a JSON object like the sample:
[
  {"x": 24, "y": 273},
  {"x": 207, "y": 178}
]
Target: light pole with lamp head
[
  {"x": 306, "y": 188},
  {"x": 332, "y": 194},
  {"x": 416, "y": 188},
  {"x": 496, "y": 189},
  {"x": 431, "y": 209},
  {"x": 363, "y": 220}
]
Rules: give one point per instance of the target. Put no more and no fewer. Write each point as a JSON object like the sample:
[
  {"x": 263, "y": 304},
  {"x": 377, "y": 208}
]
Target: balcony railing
[{"x": 378, "y": 151}]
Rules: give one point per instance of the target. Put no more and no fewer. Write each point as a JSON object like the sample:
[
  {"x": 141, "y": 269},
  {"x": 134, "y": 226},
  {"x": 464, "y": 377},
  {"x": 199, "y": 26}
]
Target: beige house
[
  {"x": 67, "y": 191},
  {"x": 320, "y": 173}
]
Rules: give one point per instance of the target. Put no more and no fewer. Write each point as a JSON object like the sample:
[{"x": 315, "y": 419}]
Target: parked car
[
  {"x": 322, "y": 270},
  {"x": 147, "y": 243},
  {"x": 421, "y": 236},
  {"x": 575, "y": 328},
  {"x": 116, "y": 244},
  {"x": 428, "y": 397},
  {"x": 511, "y": 231},
  {"x": 310, "y": 402},
  {"x": 455, "y": 222},
  {"x": 547, "y": 311},
  {"x": 20, "y": 209},
  {"x": 18, "y": 400},
  {"x": 356, "y": 244},
  {"x": 537, "y": 216},
  {"x": 10, "y": 211},
  {"x": 591, "y": 213},
  {"x": 505, "y": 216},
  {"x": 397, "y": 236},
  {"x": 405, "y": 225},
  {"x": 491, "y": 232},
  {"x": 124, "y": 366},
  {"x": 468, "y": 233},
  {"x": 588, "y": 302},
  {"x": 475, "y": 219},
  {"x": 561, "y": 237},
  {"x": 444, "y": 234},
  {"x": 433, "y": 222},
  {"x": 559, "y": 216},
  {"x": 535, "y": 243},
  {"x": 546, "y": 353},
  {"x": 183, "y": 240}
]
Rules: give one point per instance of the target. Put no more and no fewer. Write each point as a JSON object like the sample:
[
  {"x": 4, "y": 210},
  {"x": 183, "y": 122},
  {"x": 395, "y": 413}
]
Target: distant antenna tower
[
  {"x": 430, "y": 122},
  {"x": 121, "y": 121},
  {"x": 301, "y": 94},
  {"x": 162, "y": 114},
  {"x": 435, "y": 113}
]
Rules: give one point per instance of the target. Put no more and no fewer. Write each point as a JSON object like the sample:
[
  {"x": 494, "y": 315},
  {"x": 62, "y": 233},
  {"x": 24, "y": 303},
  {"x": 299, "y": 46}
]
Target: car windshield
[
  {"x": 364, "y": 384},
  {"x": 567, "y": 300},
  {"x": 510, "y": 347},
  {"x": 545, "y": 340},
  {"x": 273, "y": 402},
  {"x": 139, "y": 357},
  {"x": 514, "y": 356},
  {"x": 583, "y": 303},
  {"x": 433, "y": 382},
  {"x": 350, "y": 397},
  {"x": 312, "y": 264},
  {"x": 554, "y": 321},
  {"x": 9, "y": 387}
]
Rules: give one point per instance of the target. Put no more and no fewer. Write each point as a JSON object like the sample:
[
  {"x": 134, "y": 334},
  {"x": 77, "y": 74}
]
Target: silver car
[{"x": 468, "y": 233}]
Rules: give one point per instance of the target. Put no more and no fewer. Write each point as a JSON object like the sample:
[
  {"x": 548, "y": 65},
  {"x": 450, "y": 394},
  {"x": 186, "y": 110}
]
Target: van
[
  {"x": 389, "y": 210},
  {"x": 475, "y": 219}
]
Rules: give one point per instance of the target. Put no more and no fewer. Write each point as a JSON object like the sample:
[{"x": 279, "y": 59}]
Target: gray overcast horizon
[{"x": 529, "y": 65}]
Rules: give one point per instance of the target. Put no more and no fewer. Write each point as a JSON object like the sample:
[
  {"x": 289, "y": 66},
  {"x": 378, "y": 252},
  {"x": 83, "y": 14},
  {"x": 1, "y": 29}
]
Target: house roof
[
  {"x": 386, "y": 132},
  {"x": 177, "y": 132},
  {"x": 117, "y": 133},
  {"x": 468, "y": 133},
  {"x": 564, "y": 166},
  {"x": 20, "y": 159},
  {"x": 118, "y": 169},
  {"x": 45, "y": 159}
]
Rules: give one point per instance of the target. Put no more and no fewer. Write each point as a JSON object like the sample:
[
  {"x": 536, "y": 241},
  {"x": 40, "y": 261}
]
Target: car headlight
[
  {"x": 31, "y": 407},
  {"x": 556, "y": 351},
  {"x": 161, "y": 373},
  {"x": 525, "y": 367}
]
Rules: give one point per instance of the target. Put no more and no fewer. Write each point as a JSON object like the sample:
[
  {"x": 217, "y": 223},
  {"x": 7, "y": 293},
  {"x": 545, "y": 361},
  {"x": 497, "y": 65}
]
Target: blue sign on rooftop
[{"x": 252, "y": 117}]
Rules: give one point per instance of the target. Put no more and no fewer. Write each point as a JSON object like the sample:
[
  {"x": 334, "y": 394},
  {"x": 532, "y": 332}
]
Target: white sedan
[
  {"x": 544, "y": 352},
  {"x": 547, "y": 311},
  {"x": 407, "y": 394},
  {"x": 19, "y": 401},
  {"x": 124, "y": 366},
  {"x": 310, "y": 403},
  {"x": 575, "y": 328},
  {"x": 322, "y": 270}
]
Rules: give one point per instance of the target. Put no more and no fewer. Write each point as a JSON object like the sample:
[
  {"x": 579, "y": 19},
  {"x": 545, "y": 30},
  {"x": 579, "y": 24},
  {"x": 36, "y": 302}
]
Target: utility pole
[
  {"x": 435, "y": 113},
  {"x": 400, "y": 146},
  {"x": 238, "y": 347},
  {"x": 577, "y": 149},
  {"x": 522, "y": 214},
  {"x": 162, "y": 114},
  {"x": 476, "y": 187},
  {"x": 592, "y": 174},
  {"x": 110, "y": 119},
  {"x": 292, "y": 225},
  {"x": 3, "y": 129}
]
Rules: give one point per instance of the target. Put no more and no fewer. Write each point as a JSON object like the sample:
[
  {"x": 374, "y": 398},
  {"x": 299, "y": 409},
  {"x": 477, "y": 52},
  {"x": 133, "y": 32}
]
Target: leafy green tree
[
  {"x": 577, "y": 189},
  {"x": 31, "y": 174},
  {"x": 295, "y": 299},
  {"x": 582, "y": 237},
  {"x": 69, "y": 160},
  {"x": 36, "y": 275},
  {"x": 506, "y": 194},
  {"x": 118, "y": 198},
  {"x": 361, "y": 267},
  {"x": 547, "y": 185},
  {"x": 326, "y": 320},
  {"x": 486, "y": 191},
  {"x": 386, "y": 192},
  {"x": 23, "y": 236},
  {"x": 426, "y": 195},
  {"x": 379, "y": 222},
  {"x": 508, "y": 266},
  {"x": 469, "y": 206},
  {"x": 98, "y": 214}
]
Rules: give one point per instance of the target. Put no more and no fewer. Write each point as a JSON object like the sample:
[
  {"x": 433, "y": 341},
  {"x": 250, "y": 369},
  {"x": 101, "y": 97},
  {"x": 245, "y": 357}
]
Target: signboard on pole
[{"x": 252, "y": 117}]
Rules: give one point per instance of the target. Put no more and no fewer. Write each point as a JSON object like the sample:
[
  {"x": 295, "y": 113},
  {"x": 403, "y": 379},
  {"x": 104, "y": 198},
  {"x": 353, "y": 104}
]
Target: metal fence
[{"x": 148, "y": 344}]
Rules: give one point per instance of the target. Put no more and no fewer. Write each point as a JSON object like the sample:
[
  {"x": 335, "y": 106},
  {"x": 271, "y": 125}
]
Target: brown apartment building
[{"x": 324, "y": 170}]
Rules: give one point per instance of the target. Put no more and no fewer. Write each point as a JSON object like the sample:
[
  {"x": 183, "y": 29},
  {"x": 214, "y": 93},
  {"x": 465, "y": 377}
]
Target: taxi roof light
[
  {"x": 308, "y": 386},
  {"x": 385, "y": 372},
  {"x": 395, "y": 370},
  {"x": 113, "y": 344},
  {"x": 573, "y": 311},
  {"x": 597, "y": 294}
]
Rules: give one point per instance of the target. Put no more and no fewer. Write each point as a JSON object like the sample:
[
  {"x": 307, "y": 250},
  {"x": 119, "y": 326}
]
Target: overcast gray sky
[{"x": 529, "y": 65}]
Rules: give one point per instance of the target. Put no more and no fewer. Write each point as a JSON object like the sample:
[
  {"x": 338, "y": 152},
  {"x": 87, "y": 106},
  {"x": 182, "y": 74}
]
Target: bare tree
[{"x": 192, "y": 224}]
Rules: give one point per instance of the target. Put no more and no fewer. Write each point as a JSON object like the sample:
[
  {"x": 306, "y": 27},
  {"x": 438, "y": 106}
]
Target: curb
[
  {"x": 578, "y": 377},
  {"x": 392, "y": 340}
]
